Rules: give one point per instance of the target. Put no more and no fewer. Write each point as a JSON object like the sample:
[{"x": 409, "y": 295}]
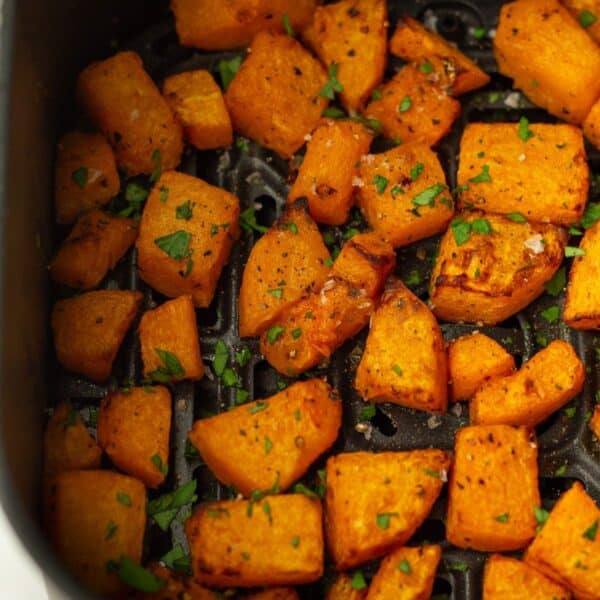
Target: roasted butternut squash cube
[
  {"x": 404, "y": 361},
  {"x": 473, "y": 360},
  {"x": 88, "y": 330},
  {"x": 403, "y": 194},
  {"x": 495, "y": 469},
  {"x": 365, "y": 262},
  {"x": 85, "y": 176},
  {"x": 198, "y": 103},
  {"x": 541, "y": 46},
  {"x": 93, "y": 247},
  {"x": 591, "y": 125},
  {"x": 397, "y": 492},
  {"x": 134, "y": 425},
  {"x": 582, "y": 305},
  {"x": 97, "y": 517},
  {"x": 213, "y": 25},
  {"x": 313, "y": 328},
  {"x": 595, "y": 422},
  {"x": 490, "y": 267},
  {"x": 68, "y": 445},
  {"x": 275, "y": 540},
  {"x": 351, "y": 34},
  {"x": 533, "y": 393},
  {"x": 587, "y": 12},
  {"x": 169, "y": 342},
  {"x": 177, "y": 586},
  {"x": 412, "y": 42},
  {"x": 567, "y": 549},
  {"x": 328, "y": 187},
  {"x": 508, "y": 578},
  {"x": 341, "y": 589},
  {"x": 127, "y": 107},
  {"x": 286, "y": 593},
  {"x": 187, "y": 230},
  {"x": 280, "y": 69},
  {"x": 406, "y": 574},
  {"x": 538, "y": 172},
  {"x": 276, "y": 438},
  {"x": 414, "y": 107},
  {"x": 286, "y": 263}
]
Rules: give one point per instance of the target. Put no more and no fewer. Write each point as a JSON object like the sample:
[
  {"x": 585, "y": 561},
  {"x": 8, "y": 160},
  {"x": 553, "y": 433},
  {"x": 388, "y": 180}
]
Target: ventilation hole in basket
[
  {"x": 267, "y": 213},
  {"x": 432, "y": 531},
  {"x": 383, "y": 423},
  {"x": 449, "y": 25},
  {"x": 441, "y": 589}
]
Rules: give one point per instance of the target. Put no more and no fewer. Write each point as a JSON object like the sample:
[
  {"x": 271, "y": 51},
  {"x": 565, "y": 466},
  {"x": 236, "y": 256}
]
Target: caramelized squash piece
[{"x": 342, "y": 589}]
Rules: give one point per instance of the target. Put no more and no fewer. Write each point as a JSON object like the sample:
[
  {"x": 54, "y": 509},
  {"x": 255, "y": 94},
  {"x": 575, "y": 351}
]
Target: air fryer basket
[{"x": 259, "y": 176}]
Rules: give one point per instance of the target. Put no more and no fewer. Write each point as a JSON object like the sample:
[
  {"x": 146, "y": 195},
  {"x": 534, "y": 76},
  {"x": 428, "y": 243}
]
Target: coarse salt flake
[{"x": 535, "y": 243}]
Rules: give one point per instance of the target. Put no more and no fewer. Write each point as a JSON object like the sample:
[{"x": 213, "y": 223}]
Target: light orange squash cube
[
  {"x": 93, "y": 247},
  {"x": 326, "y": 185},
  {"x": 274, "y": 98},
  {"x": 353, "y": 35},
  {"x": 85, "y": 176},
  {"x": 591, "y": 125},
  {"x": 473, "y": 360},
  {"x": 187, "y": 231},
  {"x": 134, "y": 425},
  {"x": 127, "y": 107},
  {"x": 198, "y": 103},
  {"x": 341, "y": 589},
  {"x": 495, "y": 469},
  {"x": 88, "y": 330},
  {"x": 403, "y": 194}
]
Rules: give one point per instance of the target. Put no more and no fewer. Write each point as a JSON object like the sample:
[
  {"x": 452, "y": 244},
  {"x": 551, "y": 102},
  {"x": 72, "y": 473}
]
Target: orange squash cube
[
  {"x": 198, "y": 103},
  {"x": 473, "y": 360},
  {"x": 127, "y": 107},
  {"x": 134, "y": 425},
  {"x": 412, "y": 42},
  {"x": 93, "y": 247},
  {"x": 328, "y": 187},
  {"x": 591, "y": 125},
  {"x": 85, "y": 176},
  {"x": 279, "y": 69},
  {"x": 168, "y": 334},
  {"x": 88, "y": 330},
  {"x": 351, "y": 34},
  {"x": 495, "y": 469},
  {"x": 187, "y": 231},
  {"x": 403, "y": 194}
]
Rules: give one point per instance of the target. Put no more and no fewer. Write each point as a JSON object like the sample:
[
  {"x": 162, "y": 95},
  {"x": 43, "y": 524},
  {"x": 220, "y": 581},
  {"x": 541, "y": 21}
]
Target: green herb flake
[
  {"x": 80, "y": 177},
  {"x": 258, "y": 407},
  {"x": 431, "y": 473},
  {"x": 158, "y": 463},
  {"x": 156, "y": 158},
  {"x": 296, "y": 333},
  {"x": 287, "y": 25},
  {"x": 503, "y": 518},
  {"x": 248, "y": 222},
  {"x": 592, "y": 531},
  {"x": 397, "y": 370},
  {"x": 164, "y": 194},
  {"x": 493, "y": 97},
  {"x": 461, "y": 230},
  {"x": 481, "y": 226},
  {"x": 404, "y": 566},
  {"x": 561, "y": 471},
  {"x": 241, "y": 396},
  {"x": 221, "y": 358},
  {"x": 478, "y": 33},
  {"x": 242, "y": 144},
  {"x": 516, "y": 217},
  {"x": 358, "y": 581},
  {"x": 300, "y": 488},
  {"x": 483, "y": 177},
  {"x": 333, "y": 112},
  {"x": 570, "y": 412},
  {"x": 277, "y": 293},
  {"x": 383, "y": 519},
  {"x": 228, "y": 69},
  {"x": 266, "y": 507},
  {"x": 524, "y": 132},
  {"x": 427, "y": 197},
  {"x": 230, "y": 378},
  {"x": 376, "y": 94},
  {"x": 426, "y": 67},
  {"x": 380, "y": 183},
  {"x": 165, "y": 508},
  {"x": 111, "y": 529},
  {"x": 333, "y": 85},
  {"x": 556, "y": 285},
  {"x": 175, "y": 555},
  {"x": 297, "y": 414},
  {"x": 170, "y": 369},
  {"x": 571, "y": 251},
  {"x": 243, "y": 357},
  {"x": 274, "y": 333},
  {"x": 541, "y": 516},
  {"x": 412, "y": 279},
  {"x": 295, "y": 541},
  {"x": 184, "y": 211},
  {"x": 175, "y": 244},
  {"x": 124, "y": 499},
  {"x": 551, "y": 314},
  {"x": 397, "y": 190},
  {"x": 587, "y": 18},
  {"x": 416, "y": 171},
  {"x": 268, "y": 445},
  {"x": 367, "y": 413},
  {"x": 136, "y": 577},
  {"x": 591, "y": 215},
  {"x": 460, "y": 567},
  {"x": 405, "y": 104}
]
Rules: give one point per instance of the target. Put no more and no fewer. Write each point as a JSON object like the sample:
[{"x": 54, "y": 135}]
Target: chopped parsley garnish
[
  {"x": 405, "y": 104},
  {"x": 241, "y": 396},
  {"x": 427, "y": 197},
  {"x": 460, "y": 567},
  {"x": 228, "y": 69},
  {"x": 483, "y": 177},
  {"x": 358, "y": 581},
  {"x": 551, "y": 314},
  {"x": 300, "y": 488},
  {"x": 524, "y": 132},
  {"x": 156, "y": 158},
  {"x": 170, "y": 369},
  {"x": 462, "y": 230},
  {"x": 413, "y": 278},
  {"x": 503, "y": 518},
  {"x": 397, "y": 189},
  {"x": 432, "y": 473},
  {"x": 287, "y": 25},
  {"x": 165, "y": 508},
  {"x": 175, "y": 244},
  {"x": 164, "y": 194},
  {"x": 516, "y": 217},
  {"x": 541, "y": 516},
  {"x": 277, "y": 293},
  {"x": 383, "y": 519},
  {"x": 135, "y": 195},
  {"x": 111, "y": 529},
  {"x": 333, "y": 112},
  {"x": 297, "y": 414},
  {"x": 258, "y": 495},
  {"x": 571, "y": 251},
  {"x": 493, "y": 97},
  {"x": 426, "y": 67},
  {"x": 248, "y": 222},
  {"x": 333, "y": 85},
  {"x": 367, "y": 413},
  {"x": 404, "y": 566},
  {"x": 570, "y": 411},
  {"x": 221, "y": 357},
  {"x": 158, "y": 463},
  {"x": 380, "y": 183},
  {"x": 592, "y": 531},
  {"x": 591, "y": 215},
  {"x": 135, "y": 576},
  {"x": 295, "y": 541},
  {"x": 478, "y": 33},
  {"x": 274, "y": 333},
  {"x": 561, "y": 471},
  {"x": 321, "y": 486},
  {"x": 258, "y": 407},
  {"x": 184, "y": 211},
  {"x": 242, "y": 144},
  {"x": 230, "y": 378},
  {"x": 80, "y": 176},
  {"x": 416, "y": 171},
  {"x": 124, "y": 499},
  {"x": 268, "y": 445},
  {"x": 556, "y": 285},
  {"x": 587, "y": 18},
  {"x": 177, "y": 559},
  {"x": 296, "y": 333},
  {"x": 243, "y": 357},
  {"x": 397, "y": 370},
  {"x": 376, "y": 94}
]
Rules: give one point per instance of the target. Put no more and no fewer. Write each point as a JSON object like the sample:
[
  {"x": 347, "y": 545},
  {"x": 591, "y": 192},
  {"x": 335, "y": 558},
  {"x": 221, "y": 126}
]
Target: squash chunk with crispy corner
[
  {"x": 413, "y": 107},
  {"x": 127, "y": 107},
  {"x": 177, "y": 586},
  {"x": 406, "y": 574},
  {"x": 506, "y": 577},
  {"x": 277, "y": 438},
  {"x": 187, "y": 230},
  {"x": 313, "y": 328},
  {"x": 351, "y": 34},
  {"x": 68, "y": 445},
  {"x": 328, "y": 188},
  {"x": 169, "y": 342},
  {"x": 95, "y": 245},
  {"x": 341, "y": 589},
  {"x": 473, "y": 360},
  {"x": 89, "y": 329},
  {"x": 95, "y": 518},
  {"x": 281, "y": 593},
  {"x": 404, "y": 361},
  {"x": 412, "y": 42},
  {"x": 286, "y": 263},
  {"x": 133, "y": 429},
  {"x": 532, "y": 394},
  {"x": 365, "y": 262},
  {"x": 582, "y": 306},
  {"x": 397, "y": 492},
  {"x": 495, "y": 469},
  {"x": 270, "y": 540},
  {"x": 279, "y": 69},
  {"x": 198, "y": 103},
  {"x": 567, "y": 549},
  {"x": 537, "y": 172},
  {"x": 403, "y": 194},
  {"x": 85, "y": 176},
  {"x": 591, "y": 125},
  {"x": 595, "y": 422},
  {"x": 549, "y": 56},
  {"x": 490, "y": 267},
  {"x": 218, "y": 25}
]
